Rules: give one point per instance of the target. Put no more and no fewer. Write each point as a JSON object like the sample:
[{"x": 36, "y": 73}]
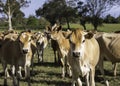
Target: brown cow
[{"x": 19, "y": 53}]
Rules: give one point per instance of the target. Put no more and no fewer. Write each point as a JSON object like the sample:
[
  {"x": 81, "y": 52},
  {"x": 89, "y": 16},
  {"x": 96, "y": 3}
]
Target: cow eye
[
  {"x": 19, "y": 41},
  {"x": 83, "y": 41},
  {"x": 29, "y": 40}
]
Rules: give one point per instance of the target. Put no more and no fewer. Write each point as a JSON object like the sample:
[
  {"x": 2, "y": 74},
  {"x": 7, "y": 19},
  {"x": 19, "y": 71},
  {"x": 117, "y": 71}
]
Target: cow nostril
[
  {"x": 76, "y": 54},
  {"x": 25, "y": 51},
  {"x": 37, "y": 43}
]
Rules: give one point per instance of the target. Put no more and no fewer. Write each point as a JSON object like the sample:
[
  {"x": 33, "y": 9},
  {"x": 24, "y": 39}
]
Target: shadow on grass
[
  {"x": 52, "y": 82},
  {"x": 46, "y": 64}
]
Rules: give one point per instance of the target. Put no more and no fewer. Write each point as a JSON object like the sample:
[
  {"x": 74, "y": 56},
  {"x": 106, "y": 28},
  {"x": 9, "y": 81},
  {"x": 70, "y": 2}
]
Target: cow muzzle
[
  {"x": 25, "y": 51},
  {"x": 76, "y": 54}
]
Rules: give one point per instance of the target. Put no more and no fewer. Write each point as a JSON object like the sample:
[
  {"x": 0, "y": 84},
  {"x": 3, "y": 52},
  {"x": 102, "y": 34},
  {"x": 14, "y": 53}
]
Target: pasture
[{"x": 49, "y": 74}]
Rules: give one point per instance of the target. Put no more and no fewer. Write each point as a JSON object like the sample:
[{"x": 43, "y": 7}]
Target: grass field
[
  {"x": 104, "y": 27},
  {"x": 49, "y": 74}
]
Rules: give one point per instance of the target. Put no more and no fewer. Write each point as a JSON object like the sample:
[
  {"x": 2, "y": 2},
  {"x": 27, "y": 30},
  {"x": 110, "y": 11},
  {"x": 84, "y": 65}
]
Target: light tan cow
[
  {"x": 54, "y": 44},
  {"x": 63, "y": 49},
  {"x": 109, "y": 47},
  {"x": 83, "y": 56},
  {"x": 18, "y": 53}
]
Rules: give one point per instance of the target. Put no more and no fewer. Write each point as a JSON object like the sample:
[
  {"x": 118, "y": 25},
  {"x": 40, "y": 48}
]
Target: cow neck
[{"x": 63, "y": 42}]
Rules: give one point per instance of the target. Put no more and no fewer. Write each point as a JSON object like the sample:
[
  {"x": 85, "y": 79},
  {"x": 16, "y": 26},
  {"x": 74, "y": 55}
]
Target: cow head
[
  {"x": 25, "y": 40},
  {"x": 77, "y": 42}
]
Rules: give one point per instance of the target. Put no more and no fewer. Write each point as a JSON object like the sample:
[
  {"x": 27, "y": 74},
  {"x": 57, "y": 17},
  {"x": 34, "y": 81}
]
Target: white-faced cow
[{"x": 41, "y": 41}]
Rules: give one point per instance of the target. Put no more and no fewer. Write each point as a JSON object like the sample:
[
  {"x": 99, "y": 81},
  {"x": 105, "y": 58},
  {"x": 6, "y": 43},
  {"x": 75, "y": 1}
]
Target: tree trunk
[
  {"x": 9, "y": 19},
  {"x": 95, "y": 27},
  {"x": 84, "y": 27},
  {"x": 68, "y": 23}
]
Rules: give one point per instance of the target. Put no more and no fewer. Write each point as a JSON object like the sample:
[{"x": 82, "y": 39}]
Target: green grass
[
  {"x": 104, "y": 27},
  {"x": 49, "y": 74}
]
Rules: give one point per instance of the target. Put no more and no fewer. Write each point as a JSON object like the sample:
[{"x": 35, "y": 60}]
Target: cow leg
[
  {"x": 63, "y": 68},
  {"x": 32, "y": 64},
  {"x": 5, "y": 72},
  {"x": 115, "y": 69},
  {"x": 16, "y": 77},
  {"x": 92, "y": 75},
  {"x": 79, "y": 83},
  {"x": 55, "y": 60},
  {"x": 40, "y": 56},
  {"x": 76, "y": 81},
  {"x": 20, "y": 71},
  {"x": 100, "y": 65},
  {"x": 87, "y": 79},
  {"x": 27, "y": 74},
  {"x": 68, "y": 71}
]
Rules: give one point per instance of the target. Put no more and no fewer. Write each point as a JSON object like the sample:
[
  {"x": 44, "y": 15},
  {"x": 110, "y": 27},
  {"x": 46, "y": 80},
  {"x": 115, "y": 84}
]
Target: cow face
[
  {"x": 40, "y": 40},
  {"x": 56, "y": 34},
  {"x": 77, "y": 42},
  {"x": 25, "y": 40}
]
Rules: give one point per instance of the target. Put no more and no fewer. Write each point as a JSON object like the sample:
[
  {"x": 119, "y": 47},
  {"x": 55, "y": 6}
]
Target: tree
[
  {"x": 56, "y": 10},
  {"x": 82, "y": 13},
  {"x": 110, "y": 19},
  {"x": 118, "y": 19},
  {"x": 32, "y": 21},
  {"x": 18, "y": 18},
  {"x": 8, "y": 7},
  {"x": 96, "y": 8}
]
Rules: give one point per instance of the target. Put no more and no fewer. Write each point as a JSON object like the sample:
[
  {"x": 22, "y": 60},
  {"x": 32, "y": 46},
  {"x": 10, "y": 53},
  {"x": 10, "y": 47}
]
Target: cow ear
[
  {"x": 59, "y": 28},
  {"x": 89, "y": 35},
  {"x": 68, "y": 35},
  {"x": 48, "y": 28}
]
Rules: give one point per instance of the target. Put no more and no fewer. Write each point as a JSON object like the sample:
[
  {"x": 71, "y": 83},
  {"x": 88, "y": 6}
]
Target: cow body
[
  {"x": 83, "y": 57},
  {"x": 109, "y": 47}
]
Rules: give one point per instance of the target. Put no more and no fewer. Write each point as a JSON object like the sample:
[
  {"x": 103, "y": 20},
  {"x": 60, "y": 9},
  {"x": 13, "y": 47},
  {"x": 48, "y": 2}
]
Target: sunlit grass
[{"x": 104, "y": 27}]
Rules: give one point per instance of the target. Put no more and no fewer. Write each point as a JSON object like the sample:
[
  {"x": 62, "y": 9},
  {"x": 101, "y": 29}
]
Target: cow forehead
[
  {"x": 77, "y": 36},
  {"x": 25, "y": 37}
]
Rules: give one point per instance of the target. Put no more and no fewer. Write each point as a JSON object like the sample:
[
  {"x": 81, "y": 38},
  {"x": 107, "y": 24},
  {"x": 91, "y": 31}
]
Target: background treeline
[{"x": 57, "y": 11}]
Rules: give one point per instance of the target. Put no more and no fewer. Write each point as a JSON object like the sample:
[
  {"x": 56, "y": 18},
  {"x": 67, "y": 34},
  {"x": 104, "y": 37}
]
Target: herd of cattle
[{"x": 80, "y": 52}]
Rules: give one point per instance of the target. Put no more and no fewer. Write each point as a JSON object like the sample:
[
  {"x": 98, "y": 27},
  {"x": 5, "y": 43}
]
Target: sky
[{"x": 35, "y": 4}]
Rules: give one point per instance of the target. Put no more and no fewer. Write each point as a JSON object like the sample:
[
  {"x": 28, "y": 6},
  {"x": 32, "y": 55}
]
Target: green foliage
[
  {"x": 55, "y": 11},
  {"x": 95, "y": 9}
]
